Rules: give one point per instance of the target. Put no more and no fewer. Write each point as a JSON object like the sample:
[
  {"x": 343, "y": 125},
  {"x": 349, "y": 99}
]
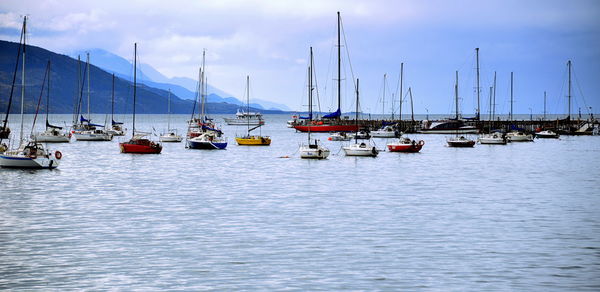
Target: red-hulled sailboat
[
  {"x": 138, "y": 143},
  {"x": 331, "y": 122}
]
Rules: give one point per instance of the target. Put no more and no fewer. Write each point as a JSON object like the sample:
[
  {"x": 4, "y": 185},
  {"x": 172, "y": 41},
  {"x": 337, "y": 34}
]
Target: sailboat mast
[
  {"x": 134, "y": 84},
  {"x": 76, "y": 100},
  {"x": 356, "y": 119},
  {"x": 23, "y": 77},
  {"x": 412, "y": 112},
  {"x": 383, "y": 99},
  {"x": 48, "y": 95},
  {"x": 401, "y": 83},
  {"x": 339, "y": 79},
  {"x": 248, "y": 102},
  {"x": 494, "y": 100},
  {"x": 569, "y": 96},
  {"x": 477, "y": 61},
  {"x": 88, "y": 85},
  {"x": 491, "y": 105},
  {"x": 112, "y": 104},
  {"x": 456, "y": 94},
  {"x": 544, "y": 105},
  {"x": 203, "y": 84},
  {"x": 511, "y": 97},
  {"x": 169, "y": 111}
]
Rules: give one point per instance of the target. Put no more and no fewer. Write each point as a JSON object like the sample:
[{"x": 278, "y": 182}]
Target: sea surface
[{"x": 520, "y": 217}]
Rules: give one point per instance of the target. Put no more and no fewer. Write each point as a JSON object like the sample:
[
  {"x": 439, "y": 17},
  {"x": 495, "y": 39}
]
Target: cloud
[{"x": 269, "y": 39}]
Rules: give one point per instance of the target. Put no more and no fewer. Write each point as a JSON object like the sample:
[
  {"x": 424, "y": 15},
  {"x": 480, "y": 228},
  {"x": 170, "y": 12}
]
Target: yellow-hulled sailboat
[{"x": 252, "y": 140}]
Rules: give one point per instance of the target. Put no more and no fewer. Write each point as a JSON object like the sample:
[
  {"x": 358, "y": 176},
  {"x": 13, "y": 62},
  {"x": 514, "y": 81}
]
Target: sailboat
[
  {"x": 116, "y": 128},
  {"x": 5, "y": 130},
  {"x": 52, "y": 133},
  {"x": 86, "y": 131},
  {"x": 138, "y": 143},
  {"x": 252, "y": 140},
  {"x": 203, "y": 133},
  {"x": 386, "y": 131},
  {"x": 405, "y": 144},
  {"x": 171, "y": 135},
  {"x": 30, "y": 154},
  {"x": 359, "y": 149},
  {"x": 331, "y": 122},
  {"x": 312, "y": 150},
  {"x": 459, "y": 141}
]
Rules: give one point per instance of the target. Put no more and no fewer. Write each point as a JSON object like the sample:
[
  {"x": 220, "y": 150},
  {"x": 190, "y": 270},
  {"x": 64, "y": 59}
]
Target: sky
[{"x": 270, "y": 40}]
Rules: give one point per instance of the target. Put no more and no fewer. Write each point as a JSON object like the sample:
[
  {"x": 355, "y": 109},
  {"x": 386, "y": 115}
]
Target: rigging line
[
  {"x": 14, "y": 80},
  {"x": 40, "y": 98},
  {"x": 580, "y": 91},
  {"x": 312, "y": 65},
  {"x": 347, "y": 52}
]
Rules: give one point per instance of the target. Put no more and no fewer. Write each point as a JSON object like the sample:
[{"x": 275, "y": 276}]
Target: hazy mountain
[
  {"x": 65, "y": 92},
  {"x": 181, "y": 86}
]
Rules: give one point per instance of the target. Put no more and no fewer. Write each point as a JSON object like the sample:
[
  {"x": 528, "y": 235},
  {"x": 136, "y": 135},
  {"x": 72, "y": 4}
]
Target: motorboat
[
  {"x": 210, "y": 140},
  {"x": 339, "y": 136},
  {"x": 547, "y": 134},
  {"x": 405, "y": 145},
  {"x": 448, "y": 127},
  {"x": 518, "y": 136},
  {"x": 30, "y": 155},
  {"x": 360, "y": 135},
  {"x": 493, "y": 138},
  {"x": 385, "y": 132},
  {"x": 460, "y": 141},
  {"x": 243, "y": 118}
]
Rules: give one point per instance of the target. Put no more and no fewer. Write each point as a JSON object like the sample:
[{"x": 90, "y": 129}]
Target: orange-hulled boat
[{"x": 406, "y": 145}]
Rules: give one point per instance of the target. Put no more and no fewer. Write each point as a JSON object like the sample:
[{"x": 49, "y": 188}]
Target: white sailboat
[
  {"x": 29, "y": 154},
  {"x": 116, "y": 128},
  {"x": 86, "y": 130},
  {"x": 312, "y": 150},
  {"x": 171, "y": 134},
  {"x": 360, "y": 149},
  {"x": 52, "y": 134}
]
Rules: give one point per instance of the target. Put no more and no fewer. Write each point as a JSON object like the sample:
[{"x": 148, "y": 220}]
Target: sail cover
[
  {"x": 333, "y": 115},
  {"x": 116, "y": 123},
  {"x": 210, "y": 129},
  {"x": 82, "y": 119},
  {"x": 307, "y": 118},
  {"x": 52, "y": 126}
]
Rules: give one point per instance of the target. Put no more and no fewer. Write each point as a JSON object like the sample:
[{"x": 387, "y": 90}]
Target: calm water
[{"x": 520, "y": 217}]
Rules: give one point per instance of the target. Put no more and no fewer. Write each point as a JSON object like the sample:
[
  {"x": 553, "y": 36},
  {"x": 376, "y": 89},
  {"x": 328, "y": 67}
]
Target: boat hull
[
  {"x": 139, "y": 149},
  {"x": 52, "y": 139},
  {"x": 207, "y": 145},
  {"x": 546, "y": 136},
  {"x": 253, "y": 141},
  {"x": 354, "y": 150},
  {"x": 243, "y": 122},
  {"x": 449, "y": 131},
  {"x": 402, "y": 147},
  {"x": 93, "y": 137},
  {"x": 313, "y": 153},
  {"x": 326, "y": 128},
  {"x": 461, "y": 144},
  {"x": 11, "y": 161},
  {"x": 383, "y": 134},
  {"x": 170, "y": 139}
]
